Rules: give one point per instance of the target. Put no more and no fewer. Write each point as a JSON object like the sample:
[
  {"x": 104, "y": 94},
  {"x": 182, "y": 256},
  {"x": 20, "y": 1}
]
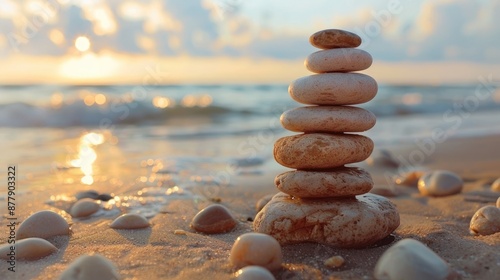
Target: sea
[{"x": 170, "y": 139}]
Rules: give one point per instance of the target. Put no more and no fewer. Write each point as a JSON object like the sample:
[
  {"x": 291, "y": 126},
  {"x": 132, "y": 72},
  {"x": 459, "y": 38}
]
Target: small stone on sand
[
  {"x": 440, "y": 183},
  {"x": 213, "y": 219},
  {"x": 84, "y": 207},
  {"x": 256, "y": 249},
  {"x": 180, "y": 232},
  {"x": 90, "y": 267},
  {"x": 263, "y": 201},
  {"x": 87, "y": 194},
  {"x": 409, "y": 259},
  {"x": 410, "y": 178},
  {"x": 496, "y": 185},
  {"x": 382, "y": 158},
  {"x": 104, "y": 197},
  {"x": 334, "y": 38},
  {"x": 334, "y": 262},
  {"x": 486, "y": 221},
  {"x": 28, "y": 249},
  {"x": 254, "y": 272},
  {"x": 43, "y": 224},
  {"x": 130, "y": 221}
]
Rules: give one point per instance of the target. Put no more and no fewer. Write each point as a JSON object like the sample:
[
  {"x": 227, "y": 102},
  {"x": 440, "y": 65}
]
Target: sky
[{"x": 241, "y": 41}]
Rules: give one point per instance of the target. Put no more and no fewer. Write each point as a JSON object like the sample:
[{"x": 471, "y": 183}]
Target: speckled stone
[
  {"x": 338, "y": 182},
  {"x": 90, "y": 267},
  {"x": 334, "y": 119},
  {"x": 213, "y": 219},
  {"x": 28, "y": 249},
  {"x": 440, "y": 183},
  {"x": 321, "y": 150},
  {"x": 345, "y": 223},
  {"x": 334, "y": 38},
  {"x": 409, "y": 259},
  {"x": 256, "y": 249},
  {"x": 333, "y": 89},
  {"x": 485, "y": 221},
  {"x": 338, "y": 60},
  {"x": 43, "y": 224},
  {"x": 263, "y": 201}
]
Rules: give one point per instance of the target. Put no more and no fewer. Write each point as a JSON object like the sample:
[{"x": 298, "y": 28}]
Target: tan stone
[
  {"x": 485, "y": 221},
  {"x": 213, "y": 219},
  {"x": 338, "y": 182},
  {"x": 321, "y": 150},
  {"x": 43, "y": 224},
  {"x": 32, "y": 248},
  {"x": 333, "y": 89},
  {"x": 328, "y": 119},
  {"x": 84, "y": 207},
  {"x": 338, "y": 60},
  {"x": 345, "y": 223},
  {"x": 334, "y": 38}
]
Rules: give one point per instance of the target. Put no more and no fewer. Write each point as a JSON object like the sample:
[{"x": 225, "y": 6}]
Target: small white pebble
[
  {"x": 496, "y": 185},
  {"x": 130, "y": 221},
  {"x": 254, "y": 272},
  {"x": 90, "y": 267},
  {"x": 33, "y": 248},
  {"x": 43, "y": 224},
  {"x": 440, "y": 183},
  {"x": 256, "y": 249},
  {"x": 180, "y": 232},
  {"x": 84, "y": 207},
  {"x": 335, "y": 261},
  {"x": 485, "y": 221}
]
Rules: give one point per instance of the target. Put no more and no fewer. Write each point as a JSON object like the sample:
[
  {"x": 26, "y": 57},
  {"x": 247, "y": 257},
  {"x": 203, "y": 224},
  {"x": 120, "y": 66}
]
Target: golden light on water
[
  {"x": 90, "y": 99},
  {"x": 197, "y": 100},
  {"x": 162, "y": 102},
  {"x": 56, "y": 100},
  {"x": 87, "y": 156},
  {"x": 82, "y": 43}
]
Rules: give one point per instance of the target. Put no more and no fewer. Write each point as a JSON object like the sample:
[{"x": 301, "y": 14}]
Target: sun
[{"x": 82, "y": 43}]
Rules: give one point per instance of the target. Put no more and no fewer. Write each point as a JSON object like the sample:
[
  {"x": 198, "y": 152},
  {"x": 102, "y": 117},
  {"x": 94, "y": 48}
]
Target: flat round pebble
[
  {"x": 87, "y": 194},
  {"x": 263, "y": 201},
  {"x": 440, "y": 183},
  {"x": 338, "y": 60},
  {"x": 334, "y": 38},
  {"x": 485, "y": 221},
  {"x": 104, "y": 197},
  {"x": 256, "y": 249},
  {"x": 496, "y": 185},
  {"x": 90, "y": 267},
  {"x": 130, "y": 221},
  {"x": 321, "y": 150},
  {"x": 254, "y": 272},
  {"x": 43, "y": 224},
  {"x": 328, "y": 119},
  {"x": 333, "y": 89},
  {"x": 84, "y": 207},
  {"x": 409, "y": 259},
  {"x": 29, "y": 249},
  {"x": 213, "y": 219},
  {"x": 338, "y": 182}
]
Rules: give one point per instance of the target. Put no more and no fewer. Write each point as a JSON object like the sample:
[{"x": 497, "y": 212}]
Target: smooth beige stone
[
  {"x": 256, "y": 249},
  {"x": 321, "y": 150},
  {"x": 440, "y": 183},
  {"x": 333, "y": 89},
  {"x": 263, "y": 201},
  {"x": 254, "y": 272},
  {"x": 338, "y": 60},
  {"x": 410, "y": 178},
  {"x": 33, "y": 248},
  {"x": 43, "y": 224},
  {"x": 334, "y": 38},
  {"x": 334, "y": 119},
  {"x": 213, "y": 219},
  {"x": 496, "y": 185},
  {"x": 338, "y": 182},
  {"x": 334, "y": 262},
  {"x": 90, "y": 267},
  {"x": 130, "y": 221},
  {"x": 410, "y": 260},
  {"x": 84, "y": 207},
  {"x": 344, "y": 223},
  {"x": 485, "y": 221}
]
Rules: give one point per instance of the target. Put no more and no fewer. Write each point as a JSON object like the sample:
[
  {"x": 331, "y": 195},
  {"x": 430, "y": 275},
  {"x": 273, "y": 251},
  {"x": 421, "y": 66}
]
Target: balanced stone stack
[{"x": 322, "y": 200}]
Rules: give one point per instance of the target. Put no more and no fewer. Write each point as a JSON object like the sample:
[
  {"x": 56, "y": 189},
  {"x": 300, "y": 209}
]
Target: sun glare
[{"x": 82, "y": 43}]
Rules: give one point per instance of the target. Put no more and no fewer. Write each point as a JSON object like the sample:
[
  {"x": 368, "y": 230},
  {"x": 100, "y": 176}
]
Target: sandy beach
[{"x": 442, "y": 223}]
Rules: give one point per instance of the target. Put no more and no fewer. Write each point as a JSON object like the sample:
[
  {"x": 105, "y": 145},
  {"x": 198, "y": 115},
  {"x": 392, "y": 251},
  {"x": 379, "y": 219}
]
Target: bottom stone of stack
[{"x": 345, "y": 223}]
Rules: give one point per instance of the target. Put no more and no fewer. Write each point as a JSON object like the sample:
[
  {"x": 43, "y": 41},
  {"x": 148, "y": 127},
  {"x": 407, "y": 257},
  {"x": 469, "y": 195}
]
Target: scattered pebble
[
  {"x": 180, "y": 232},
  {"x": 87, "y": 194},
  {"x": 43, "y": 224},
  {"x": 263, "y": 201},
  {"x": 334, "y": 262},
  {"x": 496, "y": 185},
  {"x": 382, "y": 158},
  {"x": 130, "y": 221},
  {"x": 84, "y": 207},
  {"x": 254, "y": 272},
  {"x": 486, "y": 220},
  {"x": 410, "y": 179},
  {"x": 440, "y": 183},
  {"x": 213, "y": 219},
  {"x": 90, "y": 267},
  {"x": 256, "y": 249},
  {"x": 409, "y": 259},
  {"x": 104, "y": 197},
  {"x": 28, "y": 249}
]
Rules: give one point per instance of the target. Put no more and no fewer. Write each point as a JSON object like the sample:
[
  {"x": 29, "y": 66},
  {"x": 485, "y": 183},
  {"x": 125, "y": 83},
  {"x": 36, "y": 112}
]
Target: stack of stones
[{"x": 322, "y": 200}]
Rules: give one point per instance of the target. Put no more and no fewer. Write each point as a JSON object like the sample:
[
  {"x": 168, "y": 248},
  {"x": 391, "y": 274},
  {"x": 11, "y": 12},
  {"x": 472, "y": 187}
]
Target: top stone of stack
[{"x": 334, "y": 38}]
